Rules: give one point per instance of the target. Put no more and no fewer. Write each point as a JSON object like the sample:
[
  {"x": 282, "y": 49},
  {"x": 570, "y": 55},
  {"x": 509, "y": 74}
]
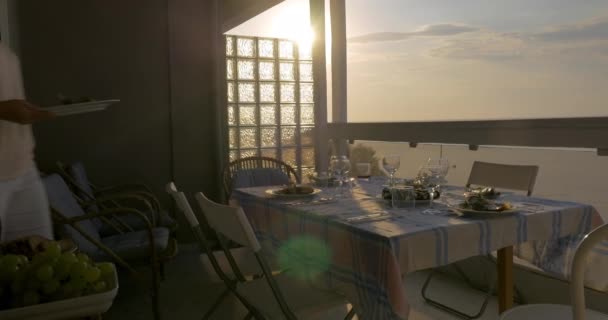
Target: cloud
[
  {"x": 444, "y": 29},
  {"x": 596, "y": 29},
  {"x": 486, "y": 46}
]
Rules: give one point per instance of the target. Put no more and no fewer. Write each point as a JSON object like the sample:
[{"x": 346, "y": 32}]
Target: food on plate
[
  {"x": 37, "y": 270},
  {"x": 295, "y": 189},
  {"x": 322, "y": 180},
  {"x": 73, "y": 100},
  {"x": 479, "y": 203},
  {"x": 421, "y": 194},
  {"x": 486, "y": 192}
]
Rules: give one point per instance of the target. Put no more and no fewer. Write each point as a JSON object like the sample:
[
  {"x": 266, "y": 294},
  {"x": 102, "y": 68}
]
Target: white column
[
  {"x": 338, "y": 68},
  {"x": 319, "y": 62}
]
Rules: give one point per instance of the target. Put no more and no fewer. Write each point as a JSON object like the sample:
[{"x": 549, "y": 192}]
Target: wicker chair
[
  {"x": 150, "y": 245},
  {"x": 94, "y": 198},
  {"x": 279, "y": 173}
]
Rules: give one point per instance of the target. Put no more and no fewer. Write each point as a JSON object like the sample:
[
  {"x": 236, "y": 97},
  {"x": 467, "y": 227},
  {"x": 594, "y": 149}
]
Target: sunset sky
[{"x": 468, "y": 59}]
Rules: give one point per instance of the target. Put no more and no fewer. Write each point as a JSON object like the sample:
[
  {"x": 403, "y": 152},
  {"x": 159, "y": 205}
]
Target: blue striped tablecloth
[{"x": 367, "y": 260}]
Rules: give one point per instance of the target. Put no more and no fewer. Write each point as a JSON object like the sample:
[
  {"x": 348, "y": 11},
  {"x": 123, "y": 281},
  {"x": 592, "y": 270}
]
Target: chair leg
[
  {"x": 216, "y": 304},
  {"x": 162, "y": 271},
  {"x": 156, "y": 290},
  {"x": 453, "y": 311}
]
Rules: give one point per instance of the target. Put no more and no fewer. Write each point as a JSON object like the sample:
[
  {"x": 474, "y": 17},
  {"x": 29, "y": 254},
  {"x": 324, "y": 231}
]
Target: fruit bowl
[
  {"x": 46, "y": 279},
  {"x": 89, "y": 305}
]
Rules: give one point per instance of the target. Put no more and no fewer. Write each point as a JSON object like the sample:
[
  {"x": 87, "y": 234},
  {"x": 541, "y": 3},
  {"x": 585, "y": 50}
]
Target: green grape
[
  {"x": 99, "y": 286},
  {"x": 8, "y": 272},
  {"x": 10, "y": 260},
  {"x": 40, "y": 259},
  {"x": 33, "y": 284},
  {"x": 92, "y": 274},
  {"x": 18, "y": 284},
  {"x": 50, "y": 287},
  {"x": 67, "y": 289},
  {"x": 67, "y": 258},
  {"x": 62, "y": 271},
  {"x": 78, "y": 283},
  {"x": 78, "y": 269},
  {"x": 45, "y": 272},
  {"x": 31, "y": 298},
  {"x": 23, "y": 260},
  {"x": 106, "y": 268},
  {"x": 53, "y": 250},
  {"x": 83, "y": 258}
]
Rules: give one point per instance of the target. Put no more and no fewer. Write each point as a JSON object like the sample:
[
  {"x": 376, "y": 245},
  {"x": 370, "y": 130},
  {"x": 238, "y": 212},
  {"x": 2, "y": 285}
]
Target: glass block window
[{"x": 270, "y": 101}]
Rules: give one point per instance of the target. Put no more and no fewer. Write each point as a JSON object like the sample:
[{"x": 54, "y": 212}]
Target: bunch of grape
[{"x": 49, "y": 276}]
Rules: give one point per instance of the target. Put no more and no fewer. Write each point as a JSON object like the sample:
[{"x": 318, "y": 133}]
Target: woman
[{"x": 23, "y": 203}]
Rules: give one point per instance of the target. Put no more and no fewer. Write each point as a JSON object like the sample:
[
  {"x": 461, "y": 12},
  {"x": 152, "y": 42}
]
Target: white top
[{"x": 16, "y": 141}]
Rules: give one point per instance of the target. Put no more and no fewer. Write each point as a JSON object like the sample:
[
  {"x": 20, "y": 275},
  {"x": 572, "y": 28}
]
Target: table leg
[{"x": 505, "y": 279}]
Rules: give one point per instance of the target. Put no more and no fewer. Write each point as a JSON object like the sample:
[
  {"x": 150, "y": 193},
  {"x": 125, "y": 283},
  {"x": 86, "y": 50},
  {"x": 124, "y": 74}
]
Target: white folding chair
[
  {"x": 217, "y": 265},
  {"x": 578, "y": 309},
  {"x": 275, "y": 297},
  {"x": 507, "y": 176},
  {"x": 498, "y": 175}
]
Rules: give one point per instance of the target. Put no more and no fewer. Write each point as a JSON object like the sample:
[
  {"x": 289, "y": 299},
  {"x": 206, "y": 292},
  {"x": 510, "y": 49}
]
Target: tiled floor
[{"x": 185, "y": 295}]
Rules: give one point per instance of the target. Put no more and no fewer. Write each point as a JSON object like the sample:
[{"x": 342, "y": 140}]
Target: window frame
[{"x": 589, "y": 132}]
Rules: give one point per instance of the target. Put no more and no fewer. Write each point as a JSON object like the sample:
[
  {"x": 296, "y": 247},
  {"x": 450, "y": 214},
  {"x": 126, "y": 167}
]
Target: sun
[{"x": 291, "y": 20}]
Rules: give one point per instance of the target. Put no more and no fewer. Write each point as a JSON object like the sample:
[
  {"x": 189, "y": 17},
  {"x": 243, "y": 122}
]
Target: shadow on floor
[{"x": 185, "y": 295}]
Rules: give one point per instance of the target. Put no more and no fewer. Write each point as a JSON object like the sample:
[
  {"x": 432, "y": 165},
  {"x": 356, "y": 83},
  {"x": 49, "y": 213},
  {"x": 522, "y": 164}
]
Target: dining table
[{"x": 369, "y": 247}]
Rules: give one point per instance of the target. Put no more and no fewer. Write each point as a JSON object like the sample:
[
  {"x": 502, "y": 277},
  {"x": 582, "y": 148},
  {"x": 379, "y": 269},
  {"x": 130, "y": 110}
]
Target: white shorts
[{"x": 24, "y": 208}]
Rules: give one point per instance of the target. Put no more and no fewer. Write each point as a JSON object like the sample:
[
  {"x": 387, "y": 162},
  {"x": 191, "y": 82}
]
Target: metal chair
[
  {"x": 273, "y": 297},
  {"x": 217, "y": 264},
  {"x": 120, "y": 196},
  {"x": 578, "y": 310},
  {"x": 257, "y": 171},
  {"x": 151, "y": 245},
  {"x": 506, "y": 176}
]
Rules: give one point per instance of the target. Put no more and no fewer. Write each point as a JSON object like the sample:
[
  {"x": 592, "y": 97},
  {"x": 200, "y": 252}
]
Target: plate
[
  {"x": 274, "y": 193},
  {"x": 482, "y": 214},
  {"x": 77, "y": 108}
]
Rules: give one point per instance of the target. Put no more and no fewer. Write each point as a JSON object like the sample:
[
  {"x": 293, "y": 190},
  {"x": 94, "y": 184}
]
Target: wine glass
[
  {"x": 391, "y": 164},
  {"x": 439, "y": 168},
  {"x": 340, "y": 167},
  {"x": 433, "y": 174}
]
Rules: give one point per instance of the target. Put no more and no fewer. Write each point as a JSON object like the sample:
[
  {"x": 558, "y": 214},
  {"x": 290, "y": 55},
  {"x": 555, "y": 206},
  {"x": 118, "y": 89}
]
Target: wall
[{"x": 153, "y": 55}]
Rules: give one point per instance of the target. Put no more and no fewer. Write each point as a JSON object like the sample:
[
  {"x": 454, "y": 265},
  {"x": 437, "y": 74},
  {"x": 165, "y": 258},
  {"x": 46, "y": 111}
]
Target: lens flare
[{"x": 304, "y": 257}]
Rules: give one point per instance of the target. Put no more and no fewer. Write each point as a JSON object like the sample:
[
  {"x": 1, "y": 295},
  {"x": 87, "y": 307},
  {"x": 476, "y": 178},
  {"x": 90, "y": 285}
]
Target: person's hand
[{"x": 22, "y": 112}]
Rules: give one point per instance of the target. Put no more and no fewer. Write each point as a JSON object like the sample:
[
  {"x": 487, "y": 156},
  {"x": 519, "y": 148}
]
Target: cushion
[
  {"x": 259, "y": 177},
  {"x": 62, "y": 200},
  {"x": 84, "y": 189},
  {"x": 137, "y": 223},
  {"x": 133, "y": 245}
]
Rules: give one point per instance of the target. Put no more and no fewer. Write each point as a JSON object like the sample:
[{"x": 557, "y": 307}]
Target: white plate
[
  {"x": 481, "y": 214},
  {"x": 77, "y": 108},
  {"x": 274, "y": 193},
  {"x": 85, "y": 306}
]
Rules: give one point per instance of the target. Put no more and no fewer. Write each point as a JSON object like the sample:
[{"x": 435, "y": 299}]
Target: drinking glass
[
  {"x": 391, "y": 164},
  {"x": 340, "y": 167},
  {"x": 403, "y": 197},
  {"x": 364, "y": 170}
]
